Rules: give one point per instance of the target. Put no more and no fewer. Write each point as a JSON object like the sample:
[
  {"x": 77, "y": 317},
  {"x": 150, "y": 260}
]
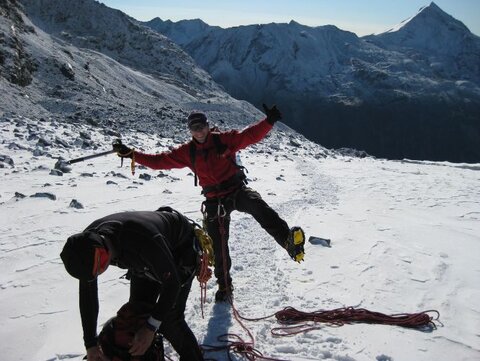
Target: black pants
[
  {"x": 243, "y": 200},
  {"x": 173, "y": 327}
]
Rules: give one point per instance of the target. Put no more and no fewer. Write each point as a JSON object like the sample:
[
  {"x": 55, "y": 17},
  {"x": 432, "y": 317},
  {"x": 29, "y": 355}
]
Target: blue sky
[{"x": 362, "y": 17}]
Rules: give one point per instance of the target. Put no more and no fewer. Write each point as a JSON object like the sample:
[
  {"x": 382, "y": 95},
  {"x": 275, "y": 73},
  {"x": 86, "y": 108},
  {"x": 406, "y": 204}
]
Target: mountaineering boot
[
  {"x": 224, "y": 294},
  {"x": 295, "y": 243}
]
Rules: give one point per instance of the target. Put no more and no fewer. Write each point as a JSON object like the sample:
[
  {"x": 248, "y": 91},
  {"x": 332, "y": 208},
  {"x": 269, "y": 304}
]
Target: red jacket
[{"x": 211, "y": 168}]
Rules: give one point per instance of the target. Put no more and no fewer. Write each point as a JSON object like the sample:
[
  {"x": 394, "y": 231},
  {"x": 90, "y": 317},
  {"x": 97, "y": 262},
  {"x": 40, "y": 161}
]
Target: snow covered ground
[{"x": 405, "y": 238}]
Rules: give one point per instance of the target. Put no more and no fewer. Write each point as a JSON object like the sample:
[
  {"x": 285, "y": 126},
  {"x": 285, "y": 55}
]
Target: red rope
[
  {"x": 204, "y": 274},
  {"x": 346, "y": 315},
  {"x": 236, "y": 344},
  {"x": 233, "y": 343}
]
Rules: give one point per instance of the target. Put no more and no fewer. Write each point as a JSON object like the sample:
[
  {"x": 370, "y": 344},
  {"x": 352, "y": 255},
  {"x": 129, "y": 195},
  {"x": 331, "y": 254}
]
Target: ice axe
[{"x": 63, "y": 164}]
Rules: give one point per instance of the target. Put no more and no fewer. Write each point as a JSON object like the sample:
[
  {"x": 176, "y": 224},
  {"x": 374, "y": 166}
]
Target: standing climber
[{"x": 211, "y": 156}]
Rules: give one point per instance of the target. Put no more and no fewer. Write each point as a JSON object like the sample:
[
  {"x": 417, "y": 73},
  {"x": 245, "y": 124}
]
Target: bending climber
[{"x": 159, "y": 250}]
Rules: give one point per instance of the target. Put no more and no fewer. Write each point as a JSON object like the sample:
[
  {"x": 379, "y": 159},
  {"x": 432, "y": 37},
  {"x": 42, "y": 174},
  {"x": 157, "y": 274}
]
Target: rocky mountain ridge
[{"x": 86, "y": 63}]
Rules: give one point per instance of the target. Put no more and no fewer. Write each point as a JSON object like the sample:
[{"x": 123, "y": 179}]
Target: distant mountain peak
[
  {"x": 429, "y": 17},
  {"x": 431, "y": 7}
]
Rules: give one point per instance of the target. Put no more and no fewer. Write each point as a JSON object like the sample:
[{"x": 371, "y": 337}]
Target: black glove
[
  {"x": 273, "y": 114},
  {"x": 122, "y": 150}
]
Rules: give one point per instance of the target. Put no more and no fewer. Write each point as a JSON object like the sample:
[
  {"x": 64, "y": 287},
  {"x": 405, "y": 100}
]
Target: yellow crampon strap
[{"x": 206, "y": 244}]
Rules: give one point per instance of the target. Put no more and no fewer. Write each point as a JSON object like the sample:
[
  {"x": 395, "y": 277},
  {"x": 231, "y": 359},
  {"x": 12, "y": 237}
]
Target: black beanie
[
  {"x": 196, "y": 118},
  {"x": 78, "y": 254}
]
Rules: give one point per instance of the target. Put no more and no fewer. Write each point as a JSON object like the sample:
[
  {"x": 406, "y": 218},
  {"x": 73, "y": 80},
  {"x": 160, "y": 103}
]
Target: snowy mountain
[
  {"x": 451, "y": 50},
  {"x": 412, "y": 92},
  {"x": 84, "y": 62}
]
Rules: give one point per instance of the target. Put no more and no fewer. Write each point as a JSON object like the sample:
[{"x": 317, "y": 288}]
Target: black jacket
[{"x": 158, "y": 245}]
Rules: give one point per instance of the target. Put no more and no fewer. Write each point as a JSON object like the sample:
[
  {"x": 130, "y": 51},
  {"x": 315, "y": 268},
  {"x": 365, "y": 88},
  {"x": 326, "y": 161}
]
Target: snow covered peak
[{"x": 431, "y": 29}]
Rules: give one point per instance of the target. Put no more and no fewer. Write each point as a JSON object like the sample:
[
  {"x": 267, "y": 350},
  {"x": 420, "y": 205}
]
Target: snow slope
[{"x": 405, "y": 238}]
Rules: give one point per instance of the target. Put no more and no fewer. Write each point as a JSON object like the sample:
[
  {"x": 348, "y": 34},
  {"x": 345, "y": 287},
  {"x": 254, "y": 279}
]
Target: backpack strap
[
  {"x": 193, "y": 155},
  {"x": 220, "y": 148}
]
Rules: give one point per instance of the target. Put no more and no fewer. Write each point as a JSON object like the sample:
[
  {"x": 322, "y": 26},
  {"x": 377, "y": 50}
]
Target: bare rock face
[{"x": 16, "y": 64}]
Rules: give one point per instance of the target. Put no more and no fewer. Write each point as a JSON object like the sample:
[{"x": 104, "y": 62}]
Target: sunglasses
[
  {"x": 198, "y": 127},
  {"x": 101, "y": 261}
]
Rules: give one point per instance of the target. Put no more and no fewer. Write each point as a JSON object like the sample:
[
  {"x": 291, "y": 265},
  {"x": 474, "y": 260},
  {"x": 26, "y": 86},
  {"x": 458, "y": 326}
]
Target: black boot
[
  {"x": 224, "y": 294},
  {"x": 294, "y": 244}
]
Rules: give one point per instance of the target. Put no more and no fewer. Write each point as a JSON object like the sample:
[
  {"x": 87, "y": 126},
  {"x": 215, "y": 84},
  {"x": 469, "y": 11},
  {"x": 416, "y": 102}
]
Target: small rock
[
  {"x": 44, "y": 195},
  {"x": 75, "y": 204},
  {"x": 62, "y": 165},
  {"x": 294, "y": 142},
  {"x": 111, "y": 182},
  {"x": 112, "y": 133},
  {"x": 42, "y": 142},
  {"x": 85, "y": 135},
  {"x": 19, "y": 195},
  {"x": 67, "y": 71},
  {"x": 41, "y": 167},
  {"x": 38, "y": 152},
  {"x": 7, "y": 159},
  {"x": 56, "y": 172},
  {"x": 61, "y": 142},
  {"x": 145, "y": 176},
  {"x": 16, "y": 146}
]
